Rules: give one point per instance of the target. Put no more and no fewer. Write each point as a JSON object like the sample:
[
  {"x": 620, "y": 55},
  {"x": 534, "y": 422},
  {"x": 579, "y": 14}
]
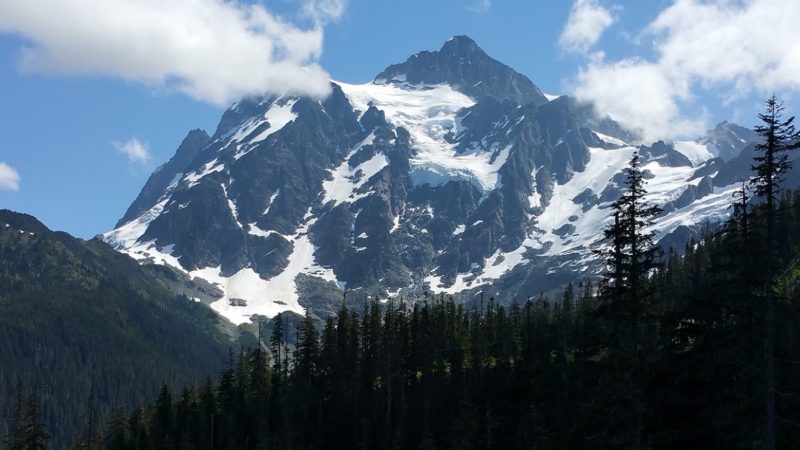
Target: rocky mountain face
[{"x": 449, "y": 173}]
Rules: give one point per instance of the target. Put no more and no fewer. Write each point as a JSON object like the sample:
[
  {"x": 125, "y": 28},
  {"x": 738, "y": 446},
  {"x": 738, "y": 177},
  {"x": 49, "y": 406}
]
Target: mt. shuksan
[{"x": 450, "y": 172}]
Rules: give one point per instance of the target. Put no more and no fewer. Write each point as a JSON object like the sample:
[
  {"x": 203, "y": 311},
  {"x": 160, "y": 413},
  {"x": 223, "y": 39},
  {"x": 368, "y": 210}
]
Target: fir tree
[
  {"x": 771, "y": 165},
  {"x": 119, "y": 435},
  {"x": 90, "y": 437},
  {"x": 35, "y": 435},
  {"x": 14, "y": 440},
  {"x": 630, "y": 260}
]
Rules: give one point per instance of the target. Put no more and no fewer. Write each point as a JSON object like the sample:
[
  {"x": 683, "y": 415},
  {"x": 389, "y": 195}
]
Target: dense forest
[
  {"x": 696, "y": 348},
  {"x": 78, "y": 319}
]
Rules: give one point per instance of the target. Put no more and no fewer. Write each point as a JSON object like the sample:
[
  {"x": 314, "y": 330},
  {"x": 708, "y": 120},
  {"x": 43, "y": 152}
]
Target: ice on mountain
[
  {"x": 696, "y": 152},
  {"x": 535, "y": 199},
  {"x": 271, "y": 201},
  {"x": 210, "y": 167},
  {"x": 429, "y": 113},
  {"x": 602, "y": 167},
  {"x": 126, "y": 236},
  {"x": 668, "y": 182},
  {"x": 610, "y": 139},
  {"x": 254, "y": 230},
  {"x": 346, "y": 181},
  {"x": 231, "y": 205},
  {"x": 259, "y": 296},
  {"x": 395, "y": 224},
  {"x": 711, "y": 208},
  {"x": 551, "y": 97},
  {"x": 271, "y": 296},
  {"x": 277, "y": 116}
]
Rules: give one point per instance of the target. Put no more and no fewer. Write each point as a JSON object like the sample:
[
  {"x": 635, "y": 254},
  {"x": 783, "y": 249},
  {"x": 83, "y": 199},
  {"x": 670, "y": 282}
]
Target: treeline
[{"x": 697, "y": 350}]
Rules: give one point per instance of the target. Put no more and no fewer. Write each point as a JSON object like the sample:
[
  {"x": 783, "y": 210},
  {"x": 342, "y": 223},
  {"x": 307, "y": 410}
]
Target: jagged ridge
[{"x": 449, "y": 172}]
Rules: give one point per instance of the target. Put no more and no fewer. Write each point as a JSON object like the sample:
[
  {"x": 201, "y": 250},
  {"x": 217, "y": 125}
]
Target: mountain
[
  {"x": 450, "y": 172},
  {"x": 727, "y": 140},
  {"x": 77, "y": 316},
  {"x": 465, "y": 67}
]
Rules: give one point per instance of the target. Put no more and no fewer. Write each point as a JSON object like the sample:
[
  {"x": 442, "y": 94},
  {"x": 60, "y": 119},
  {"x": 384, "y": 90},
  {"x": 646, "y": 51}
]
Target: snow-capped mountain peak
[{"x": 449, "y": 172}]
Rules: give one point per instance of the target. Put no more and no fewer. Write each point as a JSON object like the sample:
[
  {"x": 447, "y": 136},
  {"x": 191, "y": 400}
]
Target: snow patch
[
  {"x": 346, "y": 181},
  {"x": 208, "y": 168},
  {"x": 696, "y": 152},
  {"x": 254, "y": 230},
  {"x": 231, "y": 205},
  {"x": 494, "y": 267},
  {"x": 535, "y": 199},
  {"x": 149, "y": 252},
  {"x": 271, "y": 201},
  {"x": 429, "y": 113},
  {"x": 610, "y": 139},
  {"x": 277, "y": 294},
  {"x": 711, "y": 208},
  {"x": 125, "y": 237},
  {"x": 277, "y": 116}
]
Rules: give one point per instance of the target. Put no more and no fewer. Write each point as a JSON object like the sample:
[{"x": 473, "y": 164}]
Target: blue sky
[{"x": 82, "y": 123}]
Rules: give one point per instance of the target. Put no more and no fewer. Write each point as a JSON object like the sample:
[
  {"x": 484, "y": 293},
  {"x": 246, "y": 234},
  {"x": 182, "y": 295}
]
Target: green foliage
[{"x": 76, "y": 317}]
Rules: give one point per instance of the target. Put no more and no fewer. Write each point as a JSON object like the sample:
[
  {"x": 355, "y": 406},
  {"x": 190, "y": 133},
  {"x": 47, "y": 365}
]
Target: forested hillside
[{"x": 76, "y": 316}]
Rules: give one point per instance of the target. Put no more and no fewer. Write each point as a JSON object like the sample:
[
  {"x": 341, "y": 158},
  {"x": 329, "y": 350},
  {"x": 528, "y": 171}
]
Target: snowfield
[{"x": 429, "y": 113}]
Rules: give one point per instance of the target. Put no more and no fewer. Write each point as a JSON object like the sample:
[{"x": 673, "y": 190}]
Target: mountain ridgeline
[{"x": 450, "y": 172}]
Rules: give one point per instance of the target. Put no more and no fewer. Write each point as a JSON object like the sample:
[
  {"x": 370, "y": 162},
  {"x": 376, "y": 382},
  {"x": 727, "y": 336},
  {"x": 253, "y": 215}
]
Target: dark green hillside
[{"x": 75, "y": 313}]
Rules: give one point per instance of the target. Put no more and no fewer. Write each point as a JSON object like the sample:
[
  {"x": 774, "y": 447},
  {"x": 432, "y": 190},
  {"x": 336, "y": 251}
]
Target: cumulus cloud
[
  {"x": 212, "y": 50},
  {"x": 730, "y": 49},
  {"x": 586, "y": 23},
  {"x": 136, "y": 151},
  {"x": 9, "y": 177},
  {"x": 480, "y": 6}
]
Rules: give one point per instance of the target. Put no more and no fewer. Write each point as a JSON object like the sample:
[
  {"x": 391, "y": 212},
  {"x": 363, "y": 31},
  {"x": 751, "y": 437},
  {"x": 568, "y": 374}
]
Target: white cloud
[
  {"x": 586, "y": 23},
  {"x": 324, "y": 11},
  {"x": 480, "y": 6},
  {"x": 730, "y": 49},
  {"x": 212, "y": 50},
  {"x": 9, "y": 177},
  {"x": 136, "y": 151}
]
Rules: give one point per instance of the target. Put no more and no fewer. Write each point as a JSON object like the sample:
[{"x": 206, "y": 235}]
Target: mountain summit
[
  {"x": 449, "y": 173},
  {"x": 464, "y": 66}
]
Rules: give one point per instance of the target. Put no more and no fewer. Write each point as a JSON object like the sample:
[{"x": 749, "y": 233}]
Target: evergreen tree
[
  {"x": 35, "y": 435},
  {"x": 276, "y": 342},
  {"x": 119, "y": 435},
  {"x": 90, "y": 437},
  {"x": 14, "y": 440},
  {"x": 771, "y": 164},
  {"x": 163, "y": 429},
  {"x": 630, "y": 260}
]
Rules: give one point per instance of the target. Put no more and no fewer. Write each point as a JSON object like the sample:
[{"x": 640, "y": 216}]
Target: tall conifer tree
[
  {"x": 770, "y": 167},
  {"x": 630, "y": 259}
]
